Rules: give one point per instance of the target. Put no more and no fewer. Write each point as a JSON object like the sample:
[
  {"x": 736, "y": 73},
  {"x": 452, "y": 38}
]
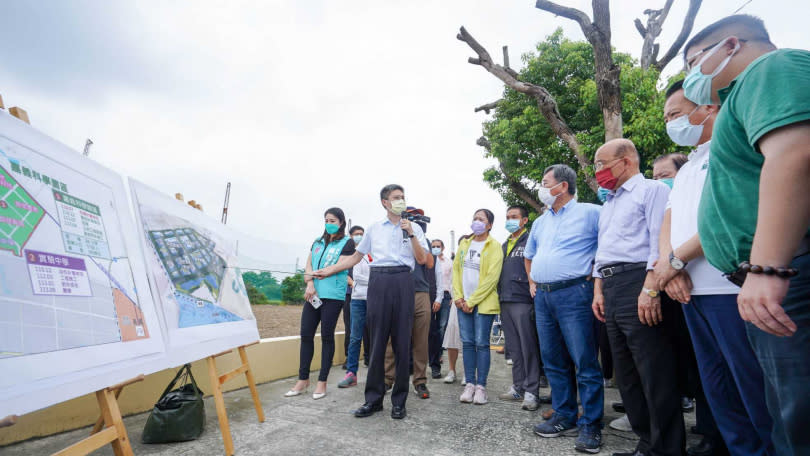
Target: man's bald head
[
  {"x": 616, "y": 148},
  {"x": 745, "y": 27}
]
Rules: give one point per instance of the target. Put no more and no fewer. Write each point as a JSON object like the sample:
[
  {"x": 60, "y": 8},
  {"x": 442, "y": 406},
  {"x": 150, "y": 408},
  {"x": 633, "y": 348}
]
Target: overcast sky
[{"x": 301, "y": 105}]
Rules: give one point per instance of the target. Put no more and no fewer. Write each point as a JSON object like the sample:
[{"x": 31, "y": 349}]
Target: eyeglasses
[
  {"x": 600, "y": 164},
  {"x": 690, "y": 62}
]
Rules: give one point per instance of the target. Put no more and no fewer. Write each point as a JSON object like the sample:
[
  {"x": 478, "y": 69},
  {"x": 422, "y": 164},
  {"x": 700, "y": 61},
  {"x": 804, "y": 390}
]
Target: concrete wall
[{"x": 272, "y": 359}]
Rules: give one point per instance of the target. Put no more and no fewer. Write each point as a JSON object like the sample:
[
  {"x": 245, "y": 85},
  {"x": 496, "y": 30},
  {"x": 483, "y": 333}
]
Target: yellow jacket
[{"x": 485, "y": 295}]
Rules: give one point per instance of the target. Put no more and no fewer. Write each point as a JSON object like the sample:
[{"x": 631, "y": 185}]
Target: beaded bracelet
[{"x": 782, "y": 273}]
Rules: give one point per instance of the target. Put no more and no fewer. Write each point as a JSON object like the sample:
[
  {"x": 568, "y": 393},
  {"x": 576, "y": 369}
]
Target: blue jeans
[
  {"x": 730, "y": 374},
  {"x": 565, "y": 324},
  {"x": 474, "y": 328},
  {"x": 444, "y": 314},
  {"x": 785, "y": 363},
  {"x": 358, "y": 314}
]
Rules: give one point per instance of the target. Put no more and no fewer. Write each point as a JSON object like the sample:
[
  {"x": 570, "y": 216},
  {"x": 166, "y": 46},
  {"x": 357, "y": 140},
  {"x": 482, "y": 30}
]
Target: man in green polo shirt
[{"x": 755, "y": 207}]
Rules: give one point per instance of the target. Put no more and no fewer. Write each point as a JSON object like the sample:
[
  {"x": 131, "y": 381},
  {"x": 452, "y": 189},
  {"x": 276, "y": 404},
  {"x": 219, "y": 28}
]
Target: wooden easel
[
  {"x": 117, "y": 392},
  {"x": 113, "y": 432},
  {"x": 216, "y": 383}
]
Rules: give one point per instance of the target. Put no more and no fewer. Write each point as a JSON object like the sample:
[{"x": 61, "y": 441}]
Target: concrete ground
[{"x": 440, "y": 425}]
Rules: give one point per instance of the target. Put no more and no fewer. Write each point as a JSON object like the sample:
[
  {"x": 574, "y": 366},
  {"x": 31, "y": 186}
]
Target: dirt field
[{"x": 278, "y": 321}]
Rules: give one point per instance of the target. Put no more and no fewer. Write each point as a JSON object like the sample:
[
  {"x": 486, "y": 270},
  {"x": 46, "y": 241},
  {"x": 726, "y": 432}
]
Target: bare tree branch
[
  {"x": 488, "y": 107},
  {"x": 566, "y": 12},
  {"x": 640, "y": 27},
  {"x": 545, "y": 101},
  {"x": 515, "y": 185},
  {"x": 686, "y": 29}
]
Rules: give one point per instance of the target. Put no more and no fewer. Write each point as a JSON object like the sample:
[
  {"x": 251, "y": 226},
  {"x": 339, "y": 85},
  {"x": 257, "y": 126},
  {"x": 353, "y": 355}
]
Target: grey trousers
[{"x": 520, "y": 331}]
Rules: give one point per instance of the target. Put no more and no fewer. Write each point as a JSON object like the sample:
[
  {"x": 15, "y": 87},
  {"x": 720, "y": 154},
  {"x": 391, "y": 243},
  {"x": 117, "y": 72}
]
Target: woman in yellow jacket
[{"x": 476, "y": 271}]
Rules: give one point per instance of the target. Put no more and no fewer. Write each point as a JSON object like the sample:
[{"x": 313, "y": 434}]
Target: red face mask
[{"x": 606, "y": 179}]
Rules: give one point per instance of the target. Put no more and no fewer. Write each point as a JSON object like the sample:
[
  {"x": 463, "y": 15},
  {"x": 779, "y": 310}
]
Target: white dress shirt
[
  {"x": 684, "y": 200},
  {"x": 385, "y": 242}
]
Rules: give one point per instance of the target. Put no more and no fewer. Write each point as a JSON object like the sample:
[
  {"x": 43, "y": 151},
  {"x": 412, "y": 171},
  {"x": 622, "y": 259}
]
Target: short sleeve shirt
[
  {"x": 772, "y": 92},
  {"x": 385, "y": 243}
]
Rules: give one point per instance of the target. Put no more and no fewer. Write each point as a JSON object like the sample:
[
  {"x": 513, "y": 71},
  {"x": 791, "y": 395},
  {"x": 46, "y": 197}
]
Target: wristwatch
[
  {"x": 411, "y": 236},
  {"x": 676, "y": 263},
  {"x": 650, "y": 293}
]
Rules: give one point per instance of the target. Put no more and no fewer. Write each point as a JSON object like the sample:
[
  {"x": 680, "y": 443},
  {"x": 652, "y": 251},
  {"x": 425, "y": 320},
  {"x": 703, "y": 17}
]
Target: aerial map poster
[
  {"x": 76, "y": 314},
  {"x": 192, "y": 264}
]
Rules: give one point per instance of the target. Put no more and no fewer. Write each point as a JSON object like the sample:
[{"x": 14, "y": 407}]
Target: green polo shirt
[{"x": 772, "y": 92}]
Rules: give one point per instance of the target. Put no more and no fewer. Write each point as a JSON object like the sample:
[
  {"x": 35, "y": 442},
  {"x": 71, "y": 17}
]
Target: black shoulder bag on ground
[{"x": 179, "y": 414}]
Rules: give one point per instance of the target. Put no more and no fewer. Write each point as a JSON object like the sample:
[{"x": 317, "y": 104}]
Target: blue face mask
[
  {"x": 512, "y": 225},
  {"x": 602, "y": 194},
  {"x": 669, "y": 181},
  {"x": 697, "y": 87},
  {"x": 357, "y": 238},
  {"x": 332, "y": 228},
  {"x": 436, "y": 251}
]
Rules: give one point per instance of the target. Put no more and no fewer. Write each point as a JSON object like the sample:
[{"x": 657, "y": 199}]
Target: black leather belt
[
  {"x": 390, "y": 269},
  {"x": 553, "y": 286},
  {"x": 618, "y": 268}
]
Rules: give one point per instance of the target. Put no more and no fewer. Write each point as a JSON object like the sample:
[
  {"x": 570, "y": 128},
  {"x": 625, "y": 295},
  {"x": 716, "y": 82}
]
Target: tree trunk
[{"x": 607, "y": 72}]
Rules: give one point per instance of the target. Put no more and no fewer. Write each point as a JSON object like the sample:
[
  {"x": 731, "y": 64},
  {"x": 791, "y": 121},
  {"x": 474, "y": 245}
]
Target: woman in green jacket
[{"x": 476, "y": 271}]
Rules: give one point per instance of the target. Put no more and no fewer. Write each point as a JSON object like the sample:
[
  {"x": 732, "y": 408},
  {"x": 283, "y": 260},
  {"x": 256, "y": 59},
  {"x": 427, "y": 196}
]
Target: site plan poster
[
  {"x": 194, "y": 275},
  {"x": 76, "y": 314}
]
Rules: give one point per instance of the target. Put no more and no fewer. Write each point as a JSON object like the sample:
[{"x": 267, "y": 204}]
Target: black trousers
[
  {"x": 389, "y": 314},
  {"x": 435, "y": 341},
  {"x": 646, "y": 367},
  {"x": 327, "y": 315}
]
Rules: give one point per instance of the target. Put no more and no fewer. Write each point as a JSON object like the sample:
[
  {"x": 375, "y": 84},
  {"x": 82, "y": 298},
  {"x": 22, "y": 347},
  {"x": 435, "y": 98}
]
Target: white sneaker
[
  {"x": 530, "y": 402},
  {"x": 468, "y": 394},
  {"x": 622, "y": 424},
  {"x": 464, "y": 381},
  {"x": 508, "y": 362},
  {"x": 451, "y": 377},
  {"x": 480, "y": 395}
]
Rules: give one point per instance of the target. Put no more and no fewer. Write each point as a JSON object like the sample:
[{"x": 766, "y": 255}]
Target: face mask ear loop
[{"x": 706, "y": 118}]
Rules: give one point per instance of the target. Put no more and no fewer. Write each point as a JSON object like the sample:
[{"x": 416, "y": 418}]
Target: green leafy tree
[
  {"x": 524, "y": 143},
  {"x": 255, "y": 296},
  {"x": 264, "y": 283},
  {"x": 292, "y": 288}
]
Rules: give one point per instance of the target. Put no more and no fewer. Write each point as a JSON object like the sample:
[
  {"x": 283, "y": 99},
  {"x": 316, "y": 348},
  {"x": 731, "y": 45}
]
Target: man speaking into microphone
[{"x": 396, "y": 246}]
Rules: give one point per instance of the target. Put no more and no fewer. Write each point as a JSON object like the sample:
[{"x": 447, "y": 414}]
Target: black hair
[
  {"x": 676, "y": 86},
  {"x": 524, "y": 212},
  {"x": 388, "y": 189},
  {"x": 337, "y": 212},
  {"x": 753, "y": 25},
  {"x": 488, "y": 214},
  {"x": 355, "y": 228},
  {"x": 564, "y": 173},
  {"x": 439, "y": 241},
  {"x": 465, "y": 236},
  {"x": 677, "y": 159}
]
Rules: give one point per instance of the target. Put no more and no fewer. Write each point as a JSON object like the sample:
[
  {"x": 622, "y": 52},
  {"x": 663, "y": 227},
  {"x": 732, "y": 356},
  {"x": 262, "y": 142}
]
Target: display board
[
  {"x": 193, "y": 274},
  {"x": 76, "y": 314}
]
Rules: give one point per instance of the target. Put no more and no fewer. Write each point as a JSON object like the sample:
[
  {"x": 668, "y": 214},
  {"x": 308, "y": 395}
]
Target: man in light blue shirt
[
  {"x": 396, "y": 246},
  {"x": 627, "y": 299},
  {"x": 559, "y": 260}
]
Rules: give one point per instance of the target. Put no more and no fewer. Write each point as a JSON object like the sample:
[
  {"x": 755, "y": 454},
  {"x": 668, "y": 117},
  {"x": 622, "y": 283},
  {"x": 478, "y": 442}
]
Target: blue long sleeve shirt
[{"x": 562, "y": 244}]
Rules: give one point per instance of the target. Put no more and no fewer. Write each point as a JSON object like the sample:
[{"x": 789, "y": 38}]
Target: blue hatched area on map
[{"x": 196, "y": 272}]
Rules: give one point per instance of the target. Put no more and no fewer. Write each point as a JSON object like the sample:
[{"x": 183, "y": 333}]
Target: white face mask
[
  {"x": 682, "y": 132},
  {"x": 545, "y": 195}
]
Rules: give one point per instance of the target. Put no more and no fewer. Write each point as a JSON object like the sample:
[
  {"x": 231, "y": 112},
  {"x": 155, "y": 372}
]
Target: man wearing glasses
[
  {"x": 626, "y": 298},
  {"x": 755, "y": 209}
]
